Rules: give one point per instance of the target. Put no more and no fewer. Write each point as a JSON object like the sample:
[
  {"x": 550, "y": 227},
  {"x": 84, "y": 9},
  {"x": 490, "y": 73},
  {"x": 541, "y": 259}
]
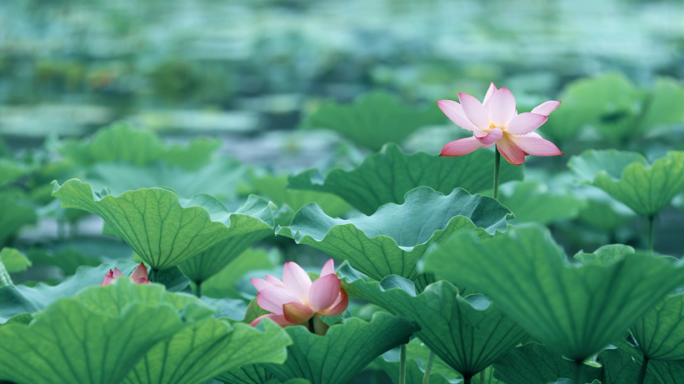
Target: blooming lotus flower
[
  {"x": 296, "y": 300},
  {"x": 496, "y": 121},
  {"x": 139, "y": 276}
]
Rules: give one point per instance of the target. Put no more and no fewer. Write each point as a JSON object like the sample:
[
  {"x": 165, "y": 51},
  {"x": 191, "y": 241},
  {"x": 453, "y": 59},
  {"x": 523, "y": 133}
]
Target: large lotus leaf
[
  {"x": 14, "y": 214},
  {"x": 535, "y": 364},
  {"x": 343, "y": 352},
  {"x": 660, "y": 333},
  {"x": 13, "y": 260},
  {"x": 249, "y": 374},
  {"x": 391, "y": 241},
  {"x": 218, "y": 178},
  {"x": 466, "y": 333},
  {"x": 96, "y": 337},
  {"x": 531, "y": 201},
  {"x": 627, "y": 177},
  {"x": 208, "y": 348},
  {"x": 610, "y": 102},
  {"x": 601, "y": 210},
  {"x": 120, "y": 142},
  {"x": 374, "y": 119},
  {"x": 576, "y": 310},
  {"x": 415, "y": 371},
  {"x": 275, "y": 188},
  {"x": 12, "y": 302},
  {"x": 163, "y": 229},
  {"x": 10, "y": 170},
  {"x": 664, "y": 106},
  {"x": 387, "y": 176},
  {"x": 665, "y": 371},
  {"x": 256, "y": 213},
  {"x": 620, "y": 368}
]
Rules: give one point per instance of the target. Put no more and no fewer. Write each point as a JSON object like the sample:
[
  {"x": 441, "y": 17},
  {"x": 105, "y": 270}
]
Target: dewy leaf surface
[
  {"x": 161, "y": 228},
  {"x": 373, "y": 119},
  {"x": 466, "y": 333},
  {"x": 75, "y": 341},
  {"x": 256, "y": 213},
  {"x": 576, "y": 310},
  {"x": 646, "y": 190},
  {"x": 343, "y": 352},
  {"x": 392, "y": 240},
  {"x": 205, "y": 349},
  {"x": 387, "y": 176}
]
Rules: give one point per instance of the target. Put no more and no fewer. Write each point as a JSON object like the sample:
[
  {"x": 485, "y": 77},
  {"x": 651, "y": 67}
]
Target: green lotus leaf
[
  {"x": 620, "y": 368},
  {"x": 600, "y": 210},
  {"x": 256, "y": 214},
  {"x": 531, "y": 201},
  {"x": 373, "y": 119},
  {"x": 665, "y": 371},
  {"x": 15, "y": 214},
  {"x": 120, "y": 142},
  {"x": 467, "y": 333},
  {"x": 664, "y": 106},
  {"x": 660, "y": 333},
  {"x": 627, "y": 177},
  {"x": 208, "y": 348},
  {"x": 95, "y": 337},
  {"x": 610, "y": 102},
  {"x": 12, "y": 302},
  {"x": 223, "y": 283},
  {"x": 535, "y": 364},
  {"x": 248, "y": 374},
  {"x": 389, "y": 362},
  {"x": 392, "y": 240},
  {"x": 575, "y": 310},
  {"x": 605, "y": 255},
  {"x": 218, "y": 178},
  {"x": 162, "y": 229},
  {"x": 67, "y": 258},
  {"x": 10, "y": 170},
  {"x": 387, "y": 176},
  {"x": 275, "y": 188},
  {"x": 343, "y": 352},
  {"x": 13, "y": 260}
]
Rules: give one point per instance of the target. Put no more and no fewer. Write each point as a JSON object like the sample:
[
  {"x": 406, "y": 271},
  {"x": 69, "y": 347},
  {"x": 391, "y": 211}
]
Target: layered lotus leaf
[
  {"x": 207, "y": 348},
  {"x": 275, "y": 189},
  {"x": 664, "y": 371},
  {"x": 575, "y": 310},
  {"x": 95, "y": 337},
  {"x": 374, "y": 119},
  {"x": 415, "y": 371},
  {"x": 536, "y": 364},
  {"x": 660, "y": 333},
  {"x": 119, "y": 142},
  {"x": 628, "y": 178},
  {"x": 343, "y": 352},
  {"x": 392, "y": 240},
  {"x": 162, "y": 229},
  {"x": 12, "y": 302},
  {"x": 15, "y": 214},
  {"x": 468, "y": 333},
  {"x": 248, "y": 374},
  {"x": 218, "y": 178},
  {"x": 387, "y": 176},
  {"x": 256, "y": 213},
  {"x": 13, "y": 260},
  {"x": 531, "y": 201}
]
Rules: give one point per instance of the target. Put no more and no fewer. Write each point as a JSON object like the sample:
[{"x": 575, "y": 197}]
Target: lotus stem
[
  {"x": 155, "y": 275},
  {"x": 497, "y": 165},
  {"x": 402, "y": 364},
  {"x": 198, "y": 289},
  {"x": 428, "y": 368},
  {"x": 642, "y": 371},
  {"x": 578, "y": 370},
  {"x": 467, "y": 379},
  {"x": 651, "y": 226},
  {"x": 311, "y": 326}
]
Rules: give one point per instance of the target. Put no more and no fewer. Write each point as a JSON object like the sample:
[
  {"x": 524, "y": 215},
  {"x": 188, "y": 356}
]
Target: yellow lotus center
[{"x": 492, "y": 126}]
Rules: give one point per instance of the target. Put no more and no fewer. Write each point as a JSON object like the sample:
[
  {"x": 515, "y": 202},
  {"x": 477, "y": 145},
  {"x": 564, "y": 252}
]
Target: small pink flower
[
  {"x": 496, "y": 121},
  {"x": 295, "y": 299},
  {"x": 139, "y": 276}
]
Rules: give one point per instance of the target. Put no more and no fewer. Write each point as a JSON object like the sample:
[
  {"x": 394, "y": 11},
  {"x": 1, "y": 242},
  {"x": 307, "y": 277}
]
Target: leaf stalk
[{"x": 497, "y": 165}]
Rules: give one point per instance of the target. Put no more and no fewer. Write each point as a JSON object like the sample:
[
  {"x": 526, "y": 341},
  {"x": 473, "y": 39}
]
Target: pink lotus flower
[
  {"x": 139, "y": 276},
  {"x": 496, "y": 121},
  {"x": 296, "y": 300}
]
